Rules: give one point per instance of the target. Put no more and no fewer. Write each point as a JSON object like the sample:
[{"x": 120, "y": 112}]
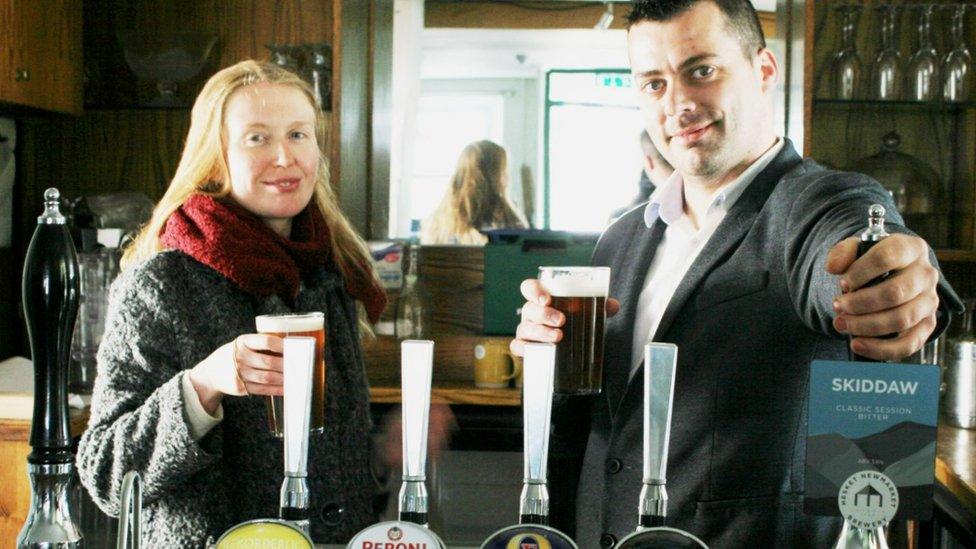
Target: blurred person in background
[
  {"x": 655, "y": 171},
  {"x": 475, "y": 200}
]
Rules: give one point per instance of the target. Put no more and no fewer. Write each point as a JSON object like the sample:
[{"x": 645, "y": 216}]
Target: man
[
  {"x": 745, "y": 258},
  {"x": 655, "y": 172}
]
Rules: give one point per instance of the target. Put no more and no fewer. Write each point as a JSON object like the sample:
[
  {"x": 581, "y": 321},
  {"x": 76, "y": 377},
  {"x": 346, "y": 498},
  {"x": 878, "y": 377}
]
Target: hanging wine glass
[
  {"x": 957, "y": 65},
  {"x": 887, "y": 71},
  {"x": 923, "y": 67},
  {"x": 847, "y": 63}
]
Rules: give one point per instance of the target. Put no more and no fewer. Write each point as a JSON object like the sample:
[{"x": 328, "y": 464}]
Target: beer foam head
[
  {"x": 290, "y": 323},
  {"x": 575, "y": 281}
]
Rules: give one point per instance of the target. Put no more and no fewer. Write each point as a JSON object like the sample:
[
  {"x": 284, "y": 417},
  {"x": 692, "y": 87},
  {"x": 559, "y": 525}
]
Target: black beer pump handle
[
  {"x": 869, "y": 238},
  {"x": 50, "y": 296},
  {"x": 660, "y": 363}
]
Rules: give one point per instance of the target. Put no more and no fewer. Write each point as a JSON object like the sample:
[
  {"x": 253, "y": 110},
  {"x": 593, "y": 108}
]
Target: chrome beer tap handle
[
  {"x": 416, "y": 369},
  {"x": 660, "y": 362},
  {"x": 299, "y": 360},
  {"x": 49, "y": 521},
  {"x": 538, "y": 367}
]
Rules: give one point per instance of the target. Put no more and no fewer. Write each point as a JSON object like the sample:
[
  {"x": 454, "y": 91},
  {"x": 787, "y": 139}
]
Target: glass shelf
[{"x": 901, "y": 104}]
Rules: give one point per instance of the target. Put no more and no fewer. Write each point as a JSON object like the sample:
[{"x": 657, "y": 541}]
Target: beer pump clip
[
  {"x": 292, "y": 529},
  {"x": 533, "y": 529},
  {"x": 660, "y": 362},
  {"x": 410, "y": 530}
]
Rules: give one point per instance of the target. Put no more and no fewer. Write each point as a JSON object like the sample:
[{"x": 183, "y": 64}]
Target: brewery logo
[
  {"x": 479, "y": 351},
  {"x": 394, "y": 534},
  {"x": 528, "y": 541},
  {"x": 868, "y": 499}
]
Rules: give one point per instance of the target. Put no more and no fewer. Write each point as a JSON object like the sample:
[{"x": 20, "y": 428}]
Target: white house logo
[{"x": 868, "y": 499}]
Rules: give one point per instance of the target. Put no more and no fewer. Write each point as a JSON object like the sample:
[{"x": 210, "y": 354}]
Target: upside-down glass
[
  {"x": 887, "y": 71},
  {"x": 302, "y": 324},
  {"x": 580, "y": 293},
  {"x": 923, "y": 67},
  {"x": 847, "y": 63},
  {"x": 957, "y": 67}
]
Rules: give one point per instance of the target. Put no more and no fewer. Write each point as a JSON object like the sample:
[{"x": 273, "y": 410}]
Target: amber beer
[
  {"x": 305, "y": 324},
  {"x": 580, "y": 293}
]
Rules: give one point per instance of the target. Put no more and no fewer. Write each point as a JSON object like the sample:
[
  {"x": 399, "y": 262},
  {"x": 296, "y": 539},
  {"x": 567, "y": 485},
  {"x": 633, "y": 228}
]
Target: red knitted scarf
[{"x": 240, "y": 246}]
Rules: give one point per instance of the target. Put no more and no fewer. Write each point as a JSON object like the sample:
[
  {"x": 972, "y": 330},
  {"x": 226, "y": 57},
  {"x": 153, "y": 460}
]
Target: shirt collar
[{"x": 667, "y": 201}]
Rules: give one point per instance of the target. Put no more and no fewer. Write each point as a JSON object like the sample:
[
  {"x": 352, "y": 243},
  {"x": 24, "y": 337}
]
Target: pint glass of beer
[
  {"x": 580, "y": 293},
  {"x": 303, "y": 324}
]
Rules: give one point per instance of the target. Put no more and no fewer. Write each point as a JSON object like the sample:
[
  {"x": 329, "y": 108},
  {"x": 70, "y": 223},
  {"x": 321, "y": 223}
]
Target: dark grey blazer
[{"x": 750, "y": 315}]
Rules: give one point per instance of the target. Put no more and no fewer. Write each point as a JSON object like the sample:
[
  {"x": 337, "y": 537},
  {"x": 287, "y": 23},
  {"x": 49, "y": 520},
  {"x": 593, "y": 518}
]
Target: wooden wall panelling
[
  {"x": 453, "y": 358},
  {"x": 102, "y": 152},
  {"x": 455, "y": 278},
  {"x": 334, "y": 137},
  {"x": 809, "y": 45},
  {"x": 552, "y": 15},
  {"x": 381, "y": 116},
  {"x": 243, "y": 29},
  {"x": 497, "y": 15},
  {"x": 351, "y": 170}
]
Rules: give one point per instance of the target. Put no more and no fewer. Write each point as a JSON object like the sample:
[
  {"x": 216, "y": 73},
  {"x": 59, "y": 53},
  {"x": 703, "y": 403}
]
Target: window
[{"x": 593, "y": 157}]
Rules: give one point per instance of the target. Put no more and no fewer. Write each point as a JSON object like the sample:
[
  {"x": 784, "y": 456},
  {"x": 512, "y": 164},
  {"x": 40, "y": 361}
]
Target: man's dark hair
[{"x": 741, "y": 18}]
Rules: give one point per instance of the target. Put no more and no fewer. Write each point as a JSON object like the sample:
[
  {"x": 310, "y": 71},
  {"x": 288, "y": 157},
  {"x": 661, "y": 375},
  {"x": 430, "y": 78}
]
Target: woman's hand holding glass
[{"x": 251, "y": 364}]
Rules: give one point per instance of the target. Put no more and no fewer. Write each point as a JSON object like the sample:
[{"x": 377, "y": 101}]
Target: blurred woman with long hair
[{"x": 475, "y": 200}]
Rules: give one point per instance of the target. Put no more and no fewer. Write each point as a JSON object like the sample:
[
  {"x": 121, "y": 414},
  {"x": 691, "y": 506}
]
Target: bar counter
[{"x": 955, "y": 467}]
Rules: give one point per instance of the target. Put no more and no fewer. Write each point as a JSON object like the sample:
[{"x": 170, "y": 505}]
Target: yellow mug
[{"x": 493, "y": 364}]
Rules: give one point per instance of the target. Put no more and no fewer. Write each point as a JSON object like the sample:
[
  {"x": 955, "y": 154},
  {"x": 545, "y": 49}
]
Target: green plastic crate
[{"x": 513, "y": 256}]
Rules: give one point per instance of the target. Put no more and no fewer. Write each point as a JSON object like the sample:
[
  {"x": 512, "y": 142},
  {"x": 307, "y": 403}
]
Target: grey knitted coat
[{"x": 165, "y": 316}]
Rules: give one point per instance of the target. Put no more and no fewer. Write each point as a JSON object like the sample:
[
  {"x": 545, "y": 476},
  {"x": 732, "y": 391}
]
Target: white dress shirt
[{"x": 681, "y": 244}]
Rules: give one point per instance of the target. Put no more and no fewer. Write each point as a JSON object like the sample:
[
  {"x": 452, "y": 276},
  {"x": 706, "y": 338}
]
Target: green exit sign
[{"x": 614, "y": 80}]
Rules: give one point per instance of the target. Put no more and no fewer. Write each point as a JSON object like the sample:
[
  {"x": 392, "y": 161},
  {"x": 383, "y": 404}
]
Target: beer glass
[
  {"x": 301, "y": 324},
  {"x": 580, "y": 293}
]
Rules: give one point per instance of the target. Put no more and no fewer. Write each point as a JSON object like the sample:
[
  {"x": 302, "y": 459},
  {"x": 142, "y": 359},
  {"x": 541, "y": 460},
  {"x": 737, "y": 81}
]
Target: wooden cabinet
[{"x": 40, "y": 54}]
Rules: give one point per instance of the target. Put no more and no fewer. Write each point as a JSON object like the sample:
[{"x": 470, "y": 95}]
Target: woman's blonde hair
[
  {"x": 474, "y": 200},
  {"x": 203, "y": 169}
]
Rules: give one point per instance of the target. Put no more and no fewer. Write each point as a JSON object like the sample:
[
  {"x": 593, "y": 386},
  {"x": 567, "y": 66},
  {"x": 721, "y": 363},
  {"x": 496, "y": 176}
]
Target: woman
[
  {"x": 475, "y": 200},
  {"x": 248, "y": 226}
]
